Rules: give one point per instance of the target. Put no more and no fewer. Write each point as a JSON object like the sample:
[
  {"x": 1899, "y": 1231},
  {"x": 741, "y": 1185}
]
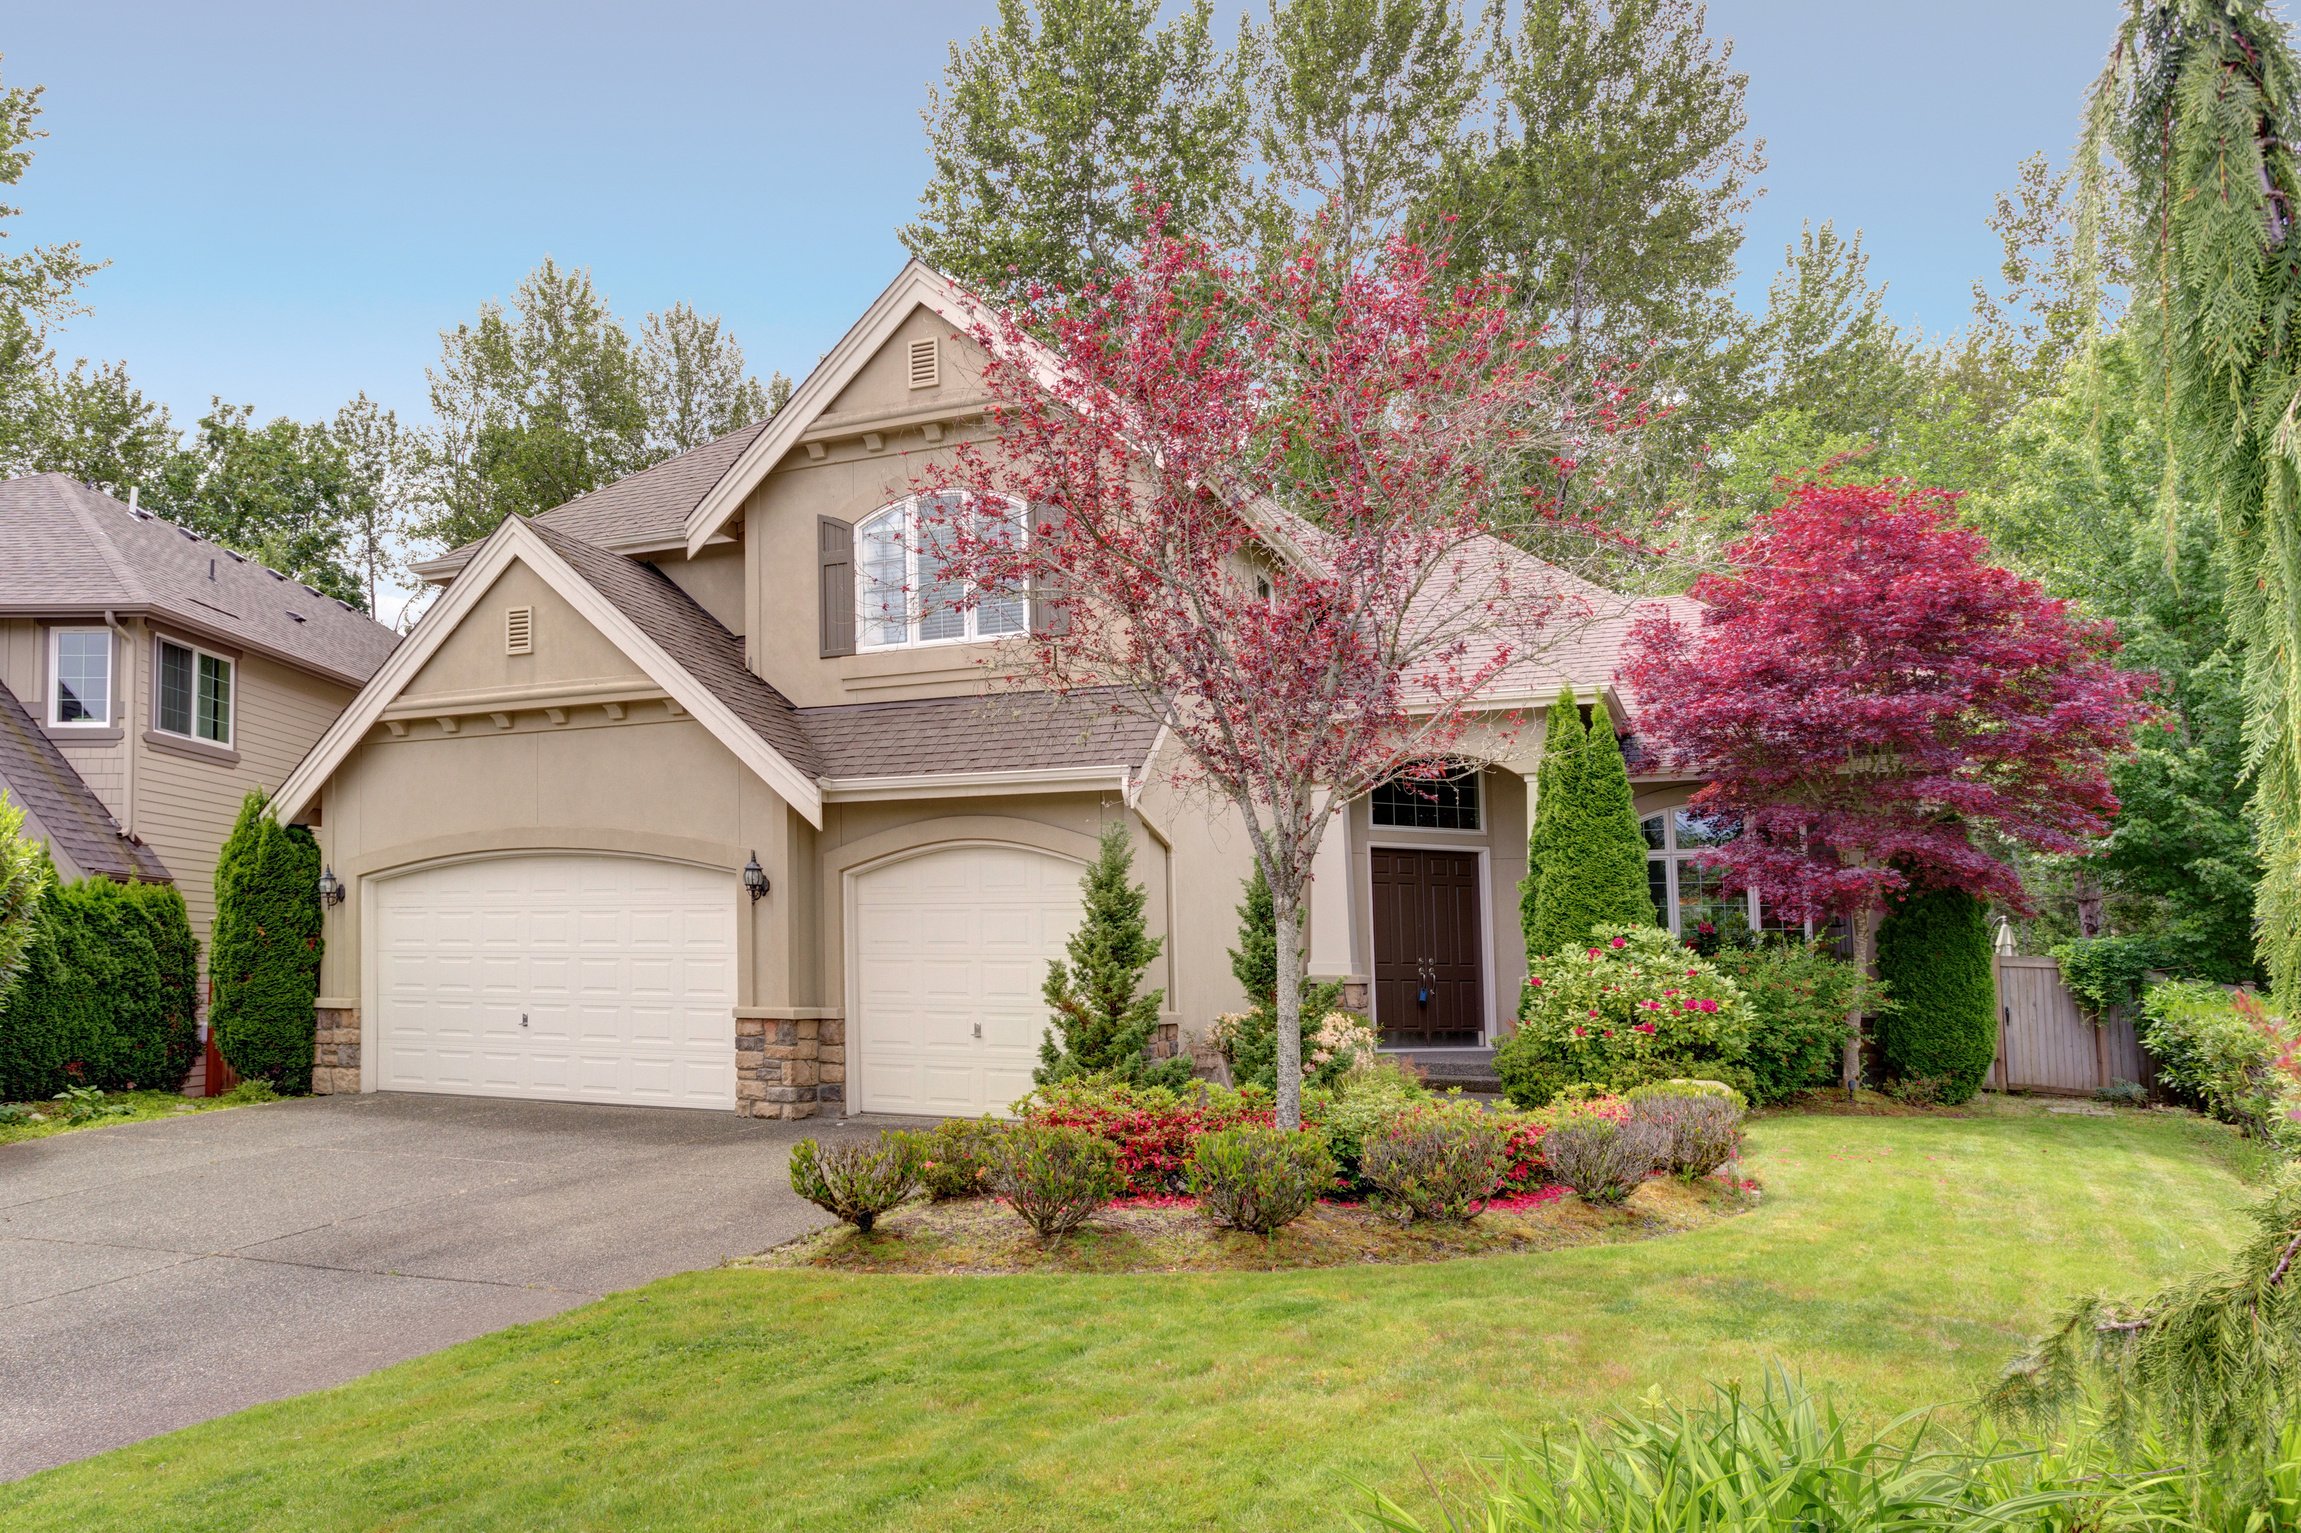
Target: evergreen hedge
[
  {"x": 1593, "y": 870},
  {"x": 1941, "y": 1025},
  {"x": 24, "y": 879},
  {"x": 265, "y": 960},
  {"x": 106, "y": 995}
]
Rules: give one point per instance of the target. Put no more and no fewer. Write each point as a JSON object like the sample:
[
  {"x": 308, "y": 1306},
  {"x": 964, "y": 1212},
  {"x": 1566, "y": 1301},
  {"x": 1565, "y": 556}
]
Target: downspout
[{"x": 125, "y": 664}]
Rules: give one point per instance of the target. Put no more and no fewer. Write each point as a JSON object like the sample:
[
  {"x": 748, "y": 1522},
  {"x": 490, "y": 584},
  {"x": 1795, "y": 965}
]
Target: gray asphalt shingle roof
[
  {"x": 66, "y": 547},
  {"x": 1006, "y": 731},
  {"x": 77, "y": 824}
]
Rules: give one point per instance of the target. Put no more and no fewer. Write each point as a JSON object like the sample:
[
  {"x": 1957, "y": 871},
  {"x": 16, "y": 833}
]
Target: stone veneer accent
[
  {"x": 336, "y": 1051},
  {"x": 787, "y": 1069}
]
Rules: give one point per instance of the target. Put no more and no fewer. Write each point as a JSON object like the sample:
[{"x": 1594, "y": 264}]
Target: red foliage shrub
[{"x": 1152, "y": 1128}]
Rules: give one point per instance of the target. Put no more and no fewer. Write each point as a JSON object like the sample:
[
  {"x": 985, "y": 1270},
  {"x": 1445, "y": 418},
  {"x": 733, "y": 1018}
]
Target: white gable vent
[
  {"x": 926, "y": 364},
  {"x": 519, "y": 631}
]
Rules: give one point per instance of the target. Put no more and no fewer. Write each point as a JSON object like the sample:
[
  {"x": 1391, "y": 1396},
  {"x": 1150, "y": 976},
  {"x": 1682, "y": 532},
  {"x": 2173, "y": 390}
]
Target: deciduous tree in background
[
  {"x": 1265, "y": 513},
  {"x": 1875, "y": 703}
]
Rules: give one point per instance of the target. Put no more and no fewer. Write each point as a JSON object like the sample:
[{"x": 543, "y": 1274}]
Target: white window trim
[
  {"x": 1476, "y": 771},
  {"x": 1672, "y": 856},
  {"x": 231, "y": 704},
  {"x": 863, "y": 619},
  {"x": 56, "y": 678}
]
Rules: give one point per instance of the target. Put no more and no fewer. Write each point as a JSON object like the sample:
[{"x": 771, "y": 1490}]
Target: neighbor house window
[
  {"x": 902, "y": 595},
  {"x": 195, "y": 694},
  {"x": 80, "y": 660},
  {"x": 1428, "y": 803}
]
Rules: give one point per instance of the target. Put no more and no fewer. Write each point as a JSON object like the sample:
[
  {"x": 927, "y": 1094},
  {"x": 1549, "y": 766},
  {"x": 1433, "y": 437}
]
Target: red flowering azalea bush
[
  {"x": 1152, "y": 1128},
  {"x": 1634, "y": 1006}
]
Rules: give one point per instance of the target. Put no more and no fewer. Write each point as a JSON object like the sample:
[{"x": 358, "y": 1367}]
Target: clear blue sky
[{"x": 296, "y": 198}]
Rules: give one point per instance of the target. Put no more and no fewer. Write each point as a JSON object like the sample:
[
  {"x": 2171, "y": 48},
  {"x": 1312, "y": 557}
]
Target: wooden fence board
[{"x": 2046, "y": 1042}]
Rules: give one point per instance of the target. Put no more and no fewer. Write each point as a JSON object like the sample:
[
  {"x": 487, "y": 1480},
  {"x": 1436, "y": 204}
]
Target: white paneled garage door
[
  {"x": 950, "y": 949},
  {"x": 574, "y": 979}
]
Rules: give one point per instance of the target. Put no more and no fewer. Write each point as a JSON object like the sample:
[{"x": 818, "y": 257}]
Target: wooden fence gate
[{"x": 2045, "y": 1042}]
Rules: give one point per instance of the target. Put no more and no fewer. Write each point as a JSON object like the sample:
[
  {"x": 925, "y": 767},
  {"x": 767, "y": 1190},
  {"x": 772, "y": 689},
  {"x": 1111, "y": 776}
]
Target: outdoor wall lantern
[
  {"x": 755, "y": 878},
  {"x": 331, "y": 887}
]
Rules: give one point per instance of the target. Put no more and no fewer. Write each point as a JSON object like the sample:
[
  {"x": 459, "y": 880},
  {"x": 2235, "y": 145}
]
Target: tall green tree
[
  {"x": 1594, "y": 867},
  {"x": 2197, "y": 113},
  {"x": 1359, "y": 106},
  {"x": 281, "y": 493},
  {"x": 1048, "y": 125},
  {"x": 694, "y": 383},
  {"x": 1557, "y": 781},
  {"x": 92, "y": 423},
  {"x": 265, "y": 957},
  {"x": 1613, "y": 197},
  {"x": 537, "y": 402},
  {"x": 39, "y": 286},
  {"x": 1934, "y": 959},
  {"x": 1102, "y": 1017}
]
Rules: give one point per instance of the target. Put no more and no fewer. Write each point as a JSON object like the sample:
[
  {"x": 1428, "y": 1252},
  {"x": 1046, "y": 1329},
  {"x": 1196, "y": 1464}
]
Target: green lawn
[
  {"x": 125, "y": 1107},
  {"x": 1895, "y": 1258}
]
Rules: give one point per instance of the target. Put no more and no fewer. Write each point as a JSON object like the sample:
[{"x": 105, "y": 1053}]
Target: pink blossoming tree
[
  {"x": 1876, "y": 704},
  {"x": 1273, "y": 510}
]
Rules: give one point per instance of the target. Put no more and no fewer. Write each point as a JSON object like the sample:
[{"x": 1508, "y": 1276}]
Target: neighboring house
[
  {"x": 149, "y": 679},
  {"x": 662, "y": 802}
]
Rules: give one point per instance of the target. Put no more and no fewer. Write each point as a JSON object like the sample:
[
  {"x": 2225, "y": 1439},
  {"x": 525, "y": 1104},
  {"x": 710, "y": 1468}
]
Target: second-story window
[
  {"x": 80, "y": 661},
  {"x": 194, "y": 695},
  {"x": 903, "y": 596}
]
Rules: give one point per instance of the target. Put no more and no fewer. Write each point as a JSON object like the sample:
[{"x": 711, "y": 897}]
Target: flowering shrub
[
  {"x": 1442, "y": 1161},
  {"x": 1152, "y": 1128},
  {"x": 1055, "y": 1177},
  {"x": 954, "y": 1158},
  {"x": 1635, "y": 1006},
  {"x": 1332, "y": 1041},
  {"x": 1259, "y": 1179},
  {"x": 854, "y": 1182},
  {"x": 1358, "y": 1104},
  {"x": 2229, "y": 1052}
]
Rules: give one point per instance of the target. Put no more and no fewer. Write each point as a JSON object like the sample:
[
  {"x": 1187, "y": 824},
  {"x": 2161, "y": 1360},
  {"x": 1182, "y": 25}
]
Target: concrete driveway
[{"x": 157, "y": 1274}]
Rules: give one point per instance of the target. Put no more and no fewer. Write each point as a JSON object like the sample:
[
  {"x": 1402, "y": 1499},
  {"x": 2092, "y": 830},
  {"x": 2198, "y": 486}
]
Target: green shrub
[
  {"x": 1799, "y": 999},
  {"x": 1056, "y": 1178},
  {"x": 1701, "y": 1122},
  {"x": 1634, "y": 1006},
  {"x": 1259, "y": 1179},
  {"x": 1593, "y": 868},
  {"x": 249, "y": 1094},
  {"x": 25, "y": 875},
  {"x": 1934, "y": 957},
  {"x": 2217, "y": 1048},
  {"x": 2106, "y": 972},
  {"x": 105, "y": 997},
  {"x": 856, "y": 1182},
  {"x": 266, "y": 956},
  {"x": 1442, "y": 1161},
  {"x": 1361, "y": 1101},
  {"x": 1333, "y": 1042},
  {"x": 1102, "y": 1017},
  {"x": 1604, "y": 1161},
  {"x": 954, "y": 1158},
  {"x": 1249, "y": 1039}
]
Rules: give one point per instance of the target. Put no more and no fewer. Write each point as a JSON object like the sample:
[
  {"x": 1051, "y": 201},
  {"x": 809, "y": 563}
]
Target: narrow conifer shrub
[
  {"x": 1934, "y": 957},
  {"x": 265, "y": 960},
  {"x": 1593, "y": 872},
  {"x": 1102, "y": 1018},
  {"x": 1056, "y": 1178},
  {"x": 1259, "y": 1179},
  {"x": 856, "y": 1182}
]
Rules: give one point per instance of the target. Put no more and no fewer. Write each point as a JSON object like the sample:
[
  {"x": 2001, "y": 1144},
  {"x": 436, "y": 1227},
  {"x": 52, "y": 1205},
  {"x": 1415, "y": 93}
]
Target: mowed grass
[{"x": 1896, "y": 1261}]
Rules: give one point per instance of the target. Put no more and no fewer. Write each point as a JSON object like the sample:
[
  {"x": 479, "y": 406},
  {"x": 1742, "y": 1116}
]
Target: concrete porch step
[{"x": 1470, "y": 1069}]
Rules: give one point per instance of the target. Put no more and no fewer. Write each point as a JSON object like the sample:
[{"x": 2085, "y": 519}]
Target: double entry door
[{"x": 1428, "y": 988}]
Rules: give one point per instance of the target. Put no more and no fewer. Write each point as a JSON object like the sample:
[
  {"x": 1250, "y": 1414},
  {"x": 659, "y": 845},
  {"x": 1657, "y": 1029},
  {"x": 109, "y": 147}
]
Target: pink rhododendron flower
[
  {"x": 1617, "y": 942},
  {"x": 1644, "y": 1027}
]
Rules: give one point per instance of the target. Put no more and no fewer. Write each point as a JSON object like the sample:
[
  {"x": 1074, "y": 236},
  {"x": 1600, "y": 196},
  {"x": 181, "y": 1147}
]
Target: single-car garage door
[
  {"x": 563, "y": 978},
  {"x": 950, "y": 950}
]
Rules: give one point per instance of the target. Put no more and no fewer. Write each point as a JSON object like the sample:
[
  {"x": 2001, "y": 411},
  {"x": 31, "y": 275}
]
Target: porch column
[{"x": 1330, "y": 896}]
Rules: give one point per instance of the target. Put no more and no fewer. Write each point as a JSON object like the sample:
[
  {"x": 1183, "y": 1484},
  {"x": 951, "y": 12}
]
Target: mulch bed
[{"x": 1168, "y": 1235}]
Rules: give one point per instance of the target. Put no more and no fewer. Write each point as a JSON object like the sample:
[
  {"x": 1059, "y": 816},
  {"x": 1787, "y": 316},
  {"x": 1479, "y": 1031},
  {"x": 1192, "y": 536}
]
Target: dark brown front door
[{"x": 1427, "y": 941}]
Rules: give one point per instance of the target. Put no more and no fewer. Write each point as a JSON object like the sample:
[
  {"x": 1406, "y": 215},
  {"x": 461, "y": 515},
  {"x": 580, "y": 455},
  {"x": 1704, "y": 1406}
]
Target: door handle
[
  {"x": 523, "y": 1019},
  {"x": 978, "y": 1029}
]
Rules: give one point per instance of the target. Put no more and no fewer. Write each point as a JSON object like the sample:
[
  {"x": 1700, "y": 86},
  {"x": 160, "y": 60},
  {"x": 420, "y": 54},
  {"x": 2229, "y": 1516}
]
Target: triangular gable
[
  {"x": 916, "y": 286},
  {"x": 516, "y": 540}
]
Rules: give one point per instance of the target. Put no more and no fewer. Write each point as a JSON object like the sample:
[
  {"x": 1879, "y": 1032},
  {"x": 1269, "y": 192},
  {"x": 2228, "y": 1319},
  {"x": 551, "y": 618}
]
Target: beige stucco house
[
  {"x": 657, "y": 805},
  {"x": 149, "y": 679}
]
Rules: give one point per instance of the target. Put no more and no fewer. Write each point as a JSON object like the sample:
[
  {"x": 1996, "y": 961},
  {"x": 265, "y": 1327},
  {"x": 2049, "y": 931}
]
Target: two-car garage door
[{"x": 563, "y": 978}]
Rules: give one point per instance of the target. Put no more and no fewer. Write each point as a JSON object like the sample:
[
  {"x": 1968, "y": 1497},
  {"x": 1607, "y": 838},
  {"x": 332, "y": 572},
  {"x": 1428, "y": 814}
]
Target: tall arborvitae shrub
[
  {"x": 265, "y": 958},
  {"x": 1594, "y": 869},
  {"x": 1554, "y": 782},
  {"x": 105, "y": 996},
  {"x": 1934, "y": 957},
  {"x": 24, "y": 879},
  {"x": 1103, "y": 1019}
]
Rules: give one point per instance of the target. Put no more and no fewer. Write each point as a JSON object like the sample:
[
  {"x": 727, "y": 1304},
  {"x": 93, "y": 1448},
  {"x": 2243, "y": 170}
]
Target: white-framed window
[
  {"x": 901, "y": 594},
  {"x": 80, "y": 669},
  {"x": 1687, "y": 894},
  {"x": 193, "y": 697},
  {"x": 1427, "y": 803}
]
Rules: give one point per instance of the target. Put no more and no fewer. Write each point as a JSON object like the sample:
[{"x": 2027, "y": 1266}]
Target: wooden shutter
[
  {"x": 835, "y": 584},
  {"x": 1049, "y": 614}
]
